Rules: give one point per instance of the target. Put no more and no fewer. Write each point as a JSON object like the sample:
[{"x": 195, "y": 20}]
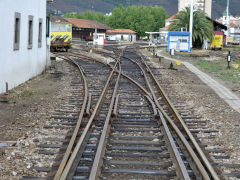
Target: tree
[
  {"x": 202, "y": 27},
  {"x": 138, "y": 18},
  {"x": 88, "y": 15}
]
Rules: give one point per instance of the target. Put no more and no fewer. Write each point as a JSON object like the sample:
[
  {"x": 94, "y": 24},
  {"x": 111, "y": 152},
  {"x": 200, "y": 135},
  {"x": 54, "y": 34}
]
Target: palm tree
[{"x": 202, "y": 26}]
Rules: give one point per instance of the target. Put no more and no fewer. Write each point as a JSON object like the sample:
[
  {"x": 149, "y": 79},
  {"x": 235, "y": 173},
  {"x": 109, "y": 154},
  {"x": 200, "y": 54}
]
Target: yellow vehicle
[
  {"x": 61, "y": 36},
  {"x": 230, "y": 40},
  {"x": 217, "y": 42}
]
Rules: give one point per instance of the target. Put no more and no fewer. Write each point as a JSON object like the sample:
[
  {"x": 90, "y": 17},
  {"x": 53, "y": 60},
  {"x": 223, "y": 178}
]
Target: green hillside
[{"x": 106, "y": 6}]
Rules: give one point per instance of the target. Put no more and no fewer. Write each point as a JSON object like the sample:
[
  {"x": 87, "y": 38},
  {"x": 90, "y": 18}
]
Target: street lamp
[
  {"x": 228, "y": 18},
  {"x": 191, "y": 23}
]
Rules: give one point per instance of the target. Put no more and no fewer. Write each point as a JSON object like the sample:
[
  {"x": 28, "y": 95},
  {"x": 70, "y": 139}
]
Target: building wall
[
  {"x": 122, "y": 37},
  {"x": 208, "y": 7},
  {"x": 204, "y": 5},
  {"x": 18, "y": 66},
  {"x": 85, "y": 34}
]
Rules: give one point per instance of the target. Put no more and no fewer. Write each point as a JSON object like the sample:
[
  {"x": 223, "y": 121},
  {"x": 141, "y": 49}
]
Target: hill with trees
[
  {"x": 106, "y": 6},
  {"x": 138, "y": 18}
]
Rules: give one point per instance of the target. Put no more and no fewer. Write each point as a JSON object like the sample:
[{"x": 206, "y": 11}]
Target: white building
[
  {"x": 234, "y": 26},
  {"x": 204, "y": 5},
  {"x": 121, "y": 35},
  {"x": 23, "y": 47},
  {"x": 164, "y": 31},
  {"x": 99, "y": 39}
]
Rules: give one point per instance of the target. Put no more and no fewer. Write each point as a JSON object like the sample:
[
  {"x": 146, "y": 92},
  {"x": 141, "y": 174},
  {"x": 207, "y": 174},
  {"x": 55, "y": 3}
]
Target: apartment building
[{"x": 204, "y": 5}]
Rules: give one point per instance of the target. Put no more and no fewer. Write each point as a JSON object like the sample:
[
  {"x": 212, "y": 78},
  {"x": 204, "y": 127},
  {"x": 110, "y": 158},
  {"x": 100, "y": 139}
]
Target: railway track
[
  {"x": 130, "y": 128},
  {"x": 121, "y": 146}
]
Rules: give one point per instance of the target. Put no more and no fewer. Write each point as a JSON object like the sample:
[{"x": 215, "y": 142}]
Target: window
[
  {"x": 65, "y": 28},
  {"x": 30, "y": 32},
  {"x": 16, "y": 43},
  {"x": 40, "y": 33},
  {"x": 47, "y": 26},
  {"x": 55, "y": 27}
]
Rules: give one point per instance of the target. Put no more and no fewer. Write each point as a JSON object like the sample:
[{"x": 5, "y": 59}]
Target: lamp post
[
  {"x": 227, "y": 19},
  {"x": 191, "y": 23}
]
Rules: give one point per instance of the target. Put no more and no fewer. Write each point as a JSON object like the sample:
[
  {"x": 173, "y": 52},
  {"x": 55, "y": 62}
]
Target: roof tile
[
  {"x": 121, "y": 31},
  {"x": 87, "y": 24}
]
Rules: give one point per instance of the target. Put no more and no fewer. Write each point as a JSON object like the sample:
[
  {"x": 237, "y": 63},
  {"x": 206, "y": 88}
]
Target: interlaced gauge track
[{"x": 128, "y": 128}]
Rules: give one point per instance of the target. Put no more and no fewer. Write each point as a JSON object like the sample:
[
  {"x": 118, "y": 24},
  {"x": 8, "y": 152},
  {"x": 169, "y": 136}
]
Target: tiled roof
[
  {"x": 58, "y": 20},
  {"x": 173, "y": 17},
  {"x": 166, "y": 27},
  {"x": 87, "y": 24},
  {"x": 233, "y": 25},
  {"x": 121, "y": 31}
]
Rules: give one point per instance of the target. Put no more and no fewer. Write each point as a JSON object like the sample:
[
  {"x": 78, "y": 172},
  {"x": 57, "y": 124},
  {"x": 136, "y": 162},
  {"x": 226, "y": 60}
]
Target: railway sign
[{"x": 229, "y": 59}]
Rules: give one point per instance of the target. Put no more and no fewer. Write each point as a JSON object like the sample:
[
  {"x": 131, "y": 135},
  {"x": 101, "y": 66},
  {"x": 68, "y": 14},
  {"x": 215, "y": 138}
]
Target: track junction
[{"x": 126, "y": 126}]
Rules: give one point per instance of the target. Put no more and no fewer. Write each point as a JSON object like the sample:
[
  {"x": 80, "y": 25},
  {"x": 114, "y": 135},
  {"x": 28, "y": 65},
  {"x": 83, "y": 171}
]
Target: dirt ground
[
  {"x": 202, "y": 101},
  {"x": 25, "y": 109},
  {"x": 23, "y": 117}
]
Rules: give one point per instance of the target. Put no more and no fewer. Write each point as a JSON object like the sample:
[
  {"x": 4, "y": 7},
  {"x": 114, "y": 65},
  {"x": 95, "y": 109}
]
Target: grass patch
[
  {"x": 219, "y": 69},
  {"x": 20, "y": 94},
  {"x": 26, "y": 93}
]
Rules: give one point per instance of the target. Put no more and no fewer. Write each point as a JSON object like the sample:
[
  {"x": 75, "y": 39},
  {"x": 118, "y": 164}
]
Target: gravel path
[{"x": 228, "y": 96}]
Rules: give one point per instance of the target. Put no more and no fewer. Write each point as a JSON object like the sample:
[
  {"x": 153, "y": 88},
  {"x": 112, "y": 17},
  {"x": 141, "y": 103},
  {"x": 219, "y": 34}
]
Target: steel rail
[
  {"x": 73, "y": 138},
  {"x": 86, "y": 129},
  {"x": 124, "y": 75},
  {"x": 105, "y": 133},
  {"x": 116, "y": 105},
  {"x": 189, "y": 148},
  {"x": 181, "y": 169},
  {"x": 183, "y": 172},
  {"x": 175, "y": 127},
  {"x": 94, "y": 173},
  {"x": 187, "y": 145}
]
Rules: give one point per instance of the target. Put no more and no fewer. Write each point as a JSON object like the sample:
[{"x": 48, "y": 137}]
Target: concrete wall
[{"x": 18, "y": 66}]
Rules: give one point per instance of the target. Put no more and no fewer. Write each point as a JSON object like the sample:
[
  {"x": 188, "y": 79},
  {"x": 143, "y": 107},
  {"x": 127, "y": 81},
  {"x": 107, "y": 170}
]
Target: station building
[{"x": 24, "y": 46}]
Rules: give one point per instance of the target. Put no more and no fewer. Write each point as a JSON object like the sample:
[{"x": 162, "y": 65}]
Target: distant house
[
  {"x": 25, "y": 43},
  {"x": 84, "y": 29},
  {"x": 234, "y": 26},
  {"x": 121, "y": 35},
  {"x": 164, "y": 30}
]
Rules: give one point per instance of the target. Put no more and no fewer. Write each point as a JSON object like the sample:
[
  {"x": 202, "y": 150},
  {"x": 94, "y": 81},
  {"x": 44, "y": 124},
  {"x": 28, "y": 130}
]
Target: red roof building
[{"x": 83, "y": 29}]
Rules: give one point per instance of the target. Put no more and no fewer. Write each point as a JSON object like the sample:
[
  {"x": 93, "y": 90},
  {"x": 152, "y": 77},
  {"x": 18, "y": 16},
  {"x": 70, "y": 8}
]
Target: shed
[
  {"x": 180, "y": 41},
  {"x": 121, "y": 35},
  {"x": 84, "y": 29}
]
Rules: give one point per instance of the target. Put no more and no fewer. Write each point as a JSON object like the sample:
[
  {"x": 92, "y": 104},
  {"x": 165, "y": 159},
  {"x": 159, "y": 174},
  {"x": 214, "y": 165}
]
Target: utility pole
[
  {"x": 228, "y": 18},
  {"x": 191, "y": 23}
]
